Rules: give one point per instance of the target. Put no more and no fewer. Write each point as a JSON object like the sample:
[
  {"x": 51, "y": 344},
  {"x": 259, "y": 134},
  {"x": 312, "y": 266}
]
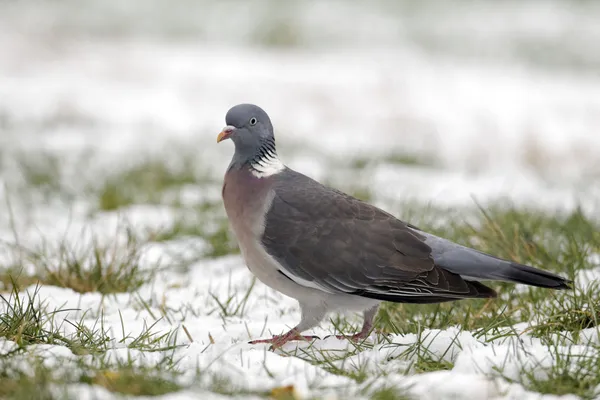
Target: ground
[{"x": 120, "y": 278}]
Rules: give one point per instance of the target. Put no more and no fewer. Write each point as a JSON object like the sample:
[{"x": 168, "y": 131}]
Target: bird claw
[{"x": 357, "y": 337}]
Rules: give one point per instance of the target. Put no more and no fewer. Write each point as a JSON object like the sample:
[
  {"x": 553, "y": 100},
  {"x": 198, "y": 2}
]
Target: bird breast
[{"x": 247, "y": 200}]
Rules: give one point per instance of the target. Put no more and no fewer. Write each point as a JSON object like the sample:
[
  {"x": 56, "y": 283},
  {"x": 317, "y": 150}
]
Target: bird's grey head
[{"x": 250, "y": 129}]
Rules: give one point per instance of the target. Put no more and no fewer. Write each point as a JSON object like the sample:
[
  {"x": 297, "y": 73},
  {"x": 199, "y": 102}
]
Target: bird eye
[{"x": 253, "y": 121}]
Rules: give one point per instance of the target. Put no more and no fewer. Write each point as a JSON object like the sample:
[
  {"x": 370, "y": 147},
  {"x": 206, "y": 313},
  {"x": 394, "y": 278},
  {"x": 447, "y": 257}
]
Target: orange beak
[{"x": 225, "y": 133}]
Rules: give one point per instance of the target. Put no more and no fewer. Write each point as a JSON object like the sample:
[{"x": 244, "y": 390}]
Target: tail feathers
[{"x": 532, "y": 276}]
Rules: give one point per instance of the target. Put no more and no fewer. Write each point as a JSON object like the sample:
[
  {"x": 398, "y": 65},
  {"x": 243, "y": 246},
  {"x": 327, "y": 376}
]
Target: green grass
[
  {"x": 569, "y": 374},
  {"x": 577, "y": 310},
  {"x": 148, "y": 182},
  {"x": 41, "y": 382},
  {"x": 234, "y": 304},
  {"x": 133, "y": 381},
  {"x": 17, "y": 385},
  {"x": 41, "y": 171},
  {"x": 206, "y": 221},
  {"x": 90, "y": 267},
  {"x": 14, "y": 276},
  {"x": 37, "y": 176},
  {"x": 396, "y": 158},
  {"x": 389, "y": 394},
  {"x": 26, "y": 322},
  {"x": 278, "y": 34},
  {"x": 97, "y": 269},
  {"x": 355, "y": 173},
  {"x": 563, "y": 243}
]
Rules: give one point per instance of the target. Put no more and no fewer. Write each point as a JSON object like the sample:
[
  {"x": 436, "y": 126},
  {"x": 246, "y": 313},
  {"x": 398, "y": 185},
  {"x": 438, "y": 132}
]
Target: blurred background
[
  {"x": 433, "y": 101},
  {"x": 110, "y": 186}
]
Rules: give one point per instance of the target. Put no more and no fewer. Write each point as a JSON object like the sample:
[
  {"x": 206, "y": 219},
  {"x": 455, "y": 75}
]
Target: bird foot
[
  {"x": 279, "y": 340},
  {"x": 357, "y": 337}
]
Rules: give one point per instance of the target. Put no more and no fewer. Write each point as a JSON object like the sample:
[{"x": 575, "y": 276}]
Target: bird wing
[{"x": 325, "y": 239}]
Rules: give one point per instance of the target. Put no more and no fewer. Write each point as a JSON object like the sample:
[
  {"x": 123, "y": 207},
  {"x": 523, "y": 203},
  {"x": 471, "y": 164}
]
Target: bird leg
[
  {"x": 311, "y": 316},
  {"x": 369, "y": 316},
  {"x": 279, "y": 340}
]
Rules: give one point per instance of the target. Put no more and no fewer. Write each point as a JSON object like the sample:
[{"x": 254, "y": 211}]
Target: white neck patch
[{"x": 267, "y": 166}]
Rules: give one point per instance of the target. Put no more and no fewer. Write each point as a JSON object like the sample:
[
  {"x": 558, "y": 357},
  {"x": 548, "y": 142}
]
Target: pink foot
[
  {"x": 279, "y": 340},
  {"x": 357, "y": 337}
]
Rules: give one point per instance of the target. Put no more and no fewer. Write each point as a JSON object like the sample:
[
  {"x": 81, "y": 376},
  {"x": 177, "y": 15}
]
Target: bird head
[{"x": 248, "y": 126}]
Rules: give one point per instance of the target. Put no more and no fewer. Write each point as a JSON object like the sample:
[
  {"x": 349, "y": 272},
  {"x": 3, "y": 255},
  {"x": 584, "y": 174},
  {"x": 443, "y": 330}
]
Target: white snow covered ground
[{"x": 413, "y": 105}]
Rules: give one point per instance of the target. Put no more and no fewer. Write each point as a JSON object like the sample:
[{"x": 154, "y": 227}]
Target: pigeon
[{"x": 333, "y": 252}]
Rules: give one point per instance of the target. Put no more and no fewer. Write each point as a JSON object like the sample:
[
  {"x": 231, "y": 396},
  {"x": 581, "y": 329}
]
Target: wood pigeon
[{"x": 331, "y": 251}]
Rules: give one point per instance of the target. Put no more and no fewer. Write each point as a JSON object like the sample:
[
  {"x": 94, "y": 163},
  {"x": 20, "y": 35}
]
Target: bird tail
[
  {"x": 527, "y": 275},
  {"x": 475, "y": 265},
  {"x": 478, "y": 266}
]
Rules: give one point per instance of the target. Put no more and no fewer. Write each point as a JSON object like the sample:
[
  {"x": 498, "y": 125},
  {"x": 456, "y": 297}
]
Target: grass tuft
[
  {"x": 38, "y": 381},
  {"x": 17, "y": 385},
  {"x": 133, "y": 381},
  {"x": 569, "y": 373},
  {"x": 389, "y": 394},
  {"x": 94, "y": 267},
  {"x": 41, "y": 171},
  {"x": 14, "y": 277},
  {"x": 24, "y": 321},
  {"x": 146, "y": 183},
  {"x": 220, "y": 241},
  {"x": 206, "y": 221},
  {"x": 397, "y": 158},
  {"x": 578, "y": 309},
  {"x": 233, "y": 305}
]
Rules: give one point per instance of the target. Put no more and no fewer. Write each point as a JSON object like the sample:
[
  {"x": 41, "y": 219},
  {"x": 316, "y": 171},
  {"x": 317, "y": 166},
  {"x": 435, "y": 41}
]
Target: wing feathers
[
  {"x": 328, "y": 240},
  {"x": 402, "y": 295}
]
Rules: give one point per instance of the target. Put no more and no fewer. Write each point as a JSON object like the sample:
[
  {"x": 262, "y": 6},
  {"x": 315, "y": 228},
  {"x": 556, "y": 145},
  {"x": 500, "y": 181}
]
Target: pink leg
[
  {"x": 280, "y": 340},
  {"x": 369, "y": 316},
  {"x": 357, "y": 337},
  {"x": 311, "y": 316}
]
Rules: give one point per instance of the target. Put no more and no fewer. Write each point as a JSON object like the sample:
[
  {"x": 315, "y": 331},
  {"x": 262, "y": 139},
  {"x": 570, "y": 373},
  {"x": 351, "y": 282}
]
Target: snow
[
  {"x": 497, "y": 130},
  {"x": 220, "y": 345}
]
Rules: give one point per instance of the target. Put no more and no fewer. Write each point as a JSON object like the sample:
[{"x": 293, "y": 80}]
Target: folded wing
[{"x": 328, "y": 240}]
